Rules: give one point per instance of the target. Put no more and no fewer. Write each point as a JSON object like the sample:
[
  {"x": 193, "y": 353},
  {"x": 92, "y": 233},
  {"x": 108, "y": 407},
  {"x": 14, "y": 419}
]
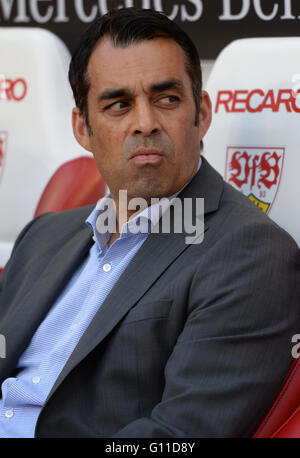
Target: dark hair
[{"x": 125, "y": 27}]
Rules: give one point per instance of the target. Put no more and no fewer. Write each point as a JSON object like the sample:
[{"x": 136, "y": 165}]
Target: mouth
[{"x": 147, "y": 156}]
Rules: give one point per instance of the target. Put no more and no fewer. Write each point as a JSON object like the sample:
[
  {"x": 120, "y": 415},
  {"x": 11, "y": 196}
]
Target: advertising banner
[{"x": 211, "y": 23}]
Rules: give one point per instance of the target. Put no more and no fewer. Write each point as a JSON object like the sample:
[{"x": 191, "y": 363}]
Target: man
[{"x": 124, "y": 334}]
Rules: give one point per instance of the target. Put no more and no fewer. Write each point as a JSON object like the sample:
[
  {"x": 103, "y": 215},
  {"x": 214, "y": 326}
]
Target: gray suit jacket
[{"x": 193, "y": 340}]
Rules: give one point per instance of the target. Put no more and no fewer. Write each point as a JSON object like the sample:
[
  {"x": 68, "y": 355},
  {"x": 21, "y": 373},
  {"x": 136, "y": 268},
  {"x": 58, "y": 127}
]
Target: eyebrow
[
  {"x": 172, "y": 83},
  {"x": 109, "y": 94}
]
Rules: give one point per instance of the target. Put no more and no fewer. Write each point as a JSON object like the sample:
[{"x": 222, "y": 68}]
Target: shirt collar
[{"x": 144, "y": 220}]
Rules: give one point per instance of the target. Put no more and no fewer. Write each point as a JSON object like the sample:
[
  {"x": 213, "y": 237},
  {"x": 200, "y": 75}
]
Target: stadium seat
[
  {"x": 74, "y": 184},
  {"x": 283, "y": 418},
  {"x": 254, "y": 143},
  {"x": 42, "y": 167}
]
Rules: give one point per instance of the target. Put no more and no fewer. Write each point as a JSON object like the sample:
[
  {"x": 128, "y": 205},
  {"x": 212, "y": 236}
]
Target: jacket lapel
[{"x": 28, "y": 313}]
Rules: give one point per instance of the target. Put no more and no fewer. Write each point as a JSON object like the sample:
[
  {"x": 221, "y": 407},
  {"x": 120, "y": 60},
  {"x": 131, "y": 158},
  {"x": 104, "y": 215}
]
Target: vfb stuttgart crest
[
  {"x": 3, "y": 143},
  {"x": 256, "y": 172}
]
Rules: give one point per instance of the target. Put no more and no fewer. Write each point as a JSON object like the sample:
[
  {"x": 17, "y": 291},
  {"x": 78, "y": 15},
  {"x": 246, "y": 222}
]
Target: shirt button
[
  {"x": 106, "y": 267},
  {"x": 36, "y": 380},
  {"x": 9, "y": 413},
  {"x": 74, "y": 326}
]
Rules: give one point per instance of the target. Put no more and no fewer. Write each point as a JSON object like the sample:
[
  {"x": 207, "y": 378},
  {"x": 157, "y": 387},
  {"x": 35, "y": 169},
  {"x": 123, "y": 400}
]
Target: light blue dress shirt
[{"x": 39, "y": 366}]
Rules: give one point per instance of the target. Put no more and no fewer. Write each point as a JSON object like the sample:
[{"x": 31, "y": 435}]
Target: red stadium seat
[
  {"x": 283, "y": 418},
  {"x": 290, "y": 429},
  {"x": 74, "y": 184}
]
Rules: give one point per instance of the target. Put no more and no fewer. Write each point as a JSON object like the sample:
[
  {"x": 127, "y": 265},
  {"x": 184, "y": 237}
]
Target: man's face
[{"x": 142, "y": 114}]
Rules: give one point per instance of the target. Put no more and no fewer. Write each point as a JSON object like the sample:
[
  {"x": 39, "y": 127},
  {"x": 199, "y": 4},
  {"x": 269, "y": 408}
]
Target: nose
[{"x": 145, "y": 121}]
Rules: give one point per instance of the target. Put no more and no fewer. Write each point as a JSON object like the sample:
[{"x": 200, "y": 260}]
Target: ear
[
  {"x": 80, "y": 129},
  {"x": 205, "y": 114}
]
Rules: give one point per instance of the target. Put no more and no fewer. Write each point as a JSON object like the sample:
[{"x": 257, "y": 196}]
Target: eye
[
  {"x": 118, "y": 107},
  {"x": 168, "y": 101}
]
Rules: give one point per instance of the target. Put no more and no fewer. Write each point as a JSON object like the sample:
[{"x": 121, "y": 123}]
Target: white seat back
[
  {"x": 254, "y": 140},
  {"x": 35, "y": 124}
]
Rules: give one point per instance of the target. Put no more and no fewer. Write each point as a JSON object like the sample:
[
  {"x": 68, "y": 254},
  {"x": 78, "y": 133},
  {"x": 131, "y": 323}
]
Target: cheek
[
  {"x": 191, "y": 131},
  {"x": 105, "y": 141},
  {"x": 187, "y": 148},
  {"x": 186, "y": 135},
  {"x": 106, "y": 147}
]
